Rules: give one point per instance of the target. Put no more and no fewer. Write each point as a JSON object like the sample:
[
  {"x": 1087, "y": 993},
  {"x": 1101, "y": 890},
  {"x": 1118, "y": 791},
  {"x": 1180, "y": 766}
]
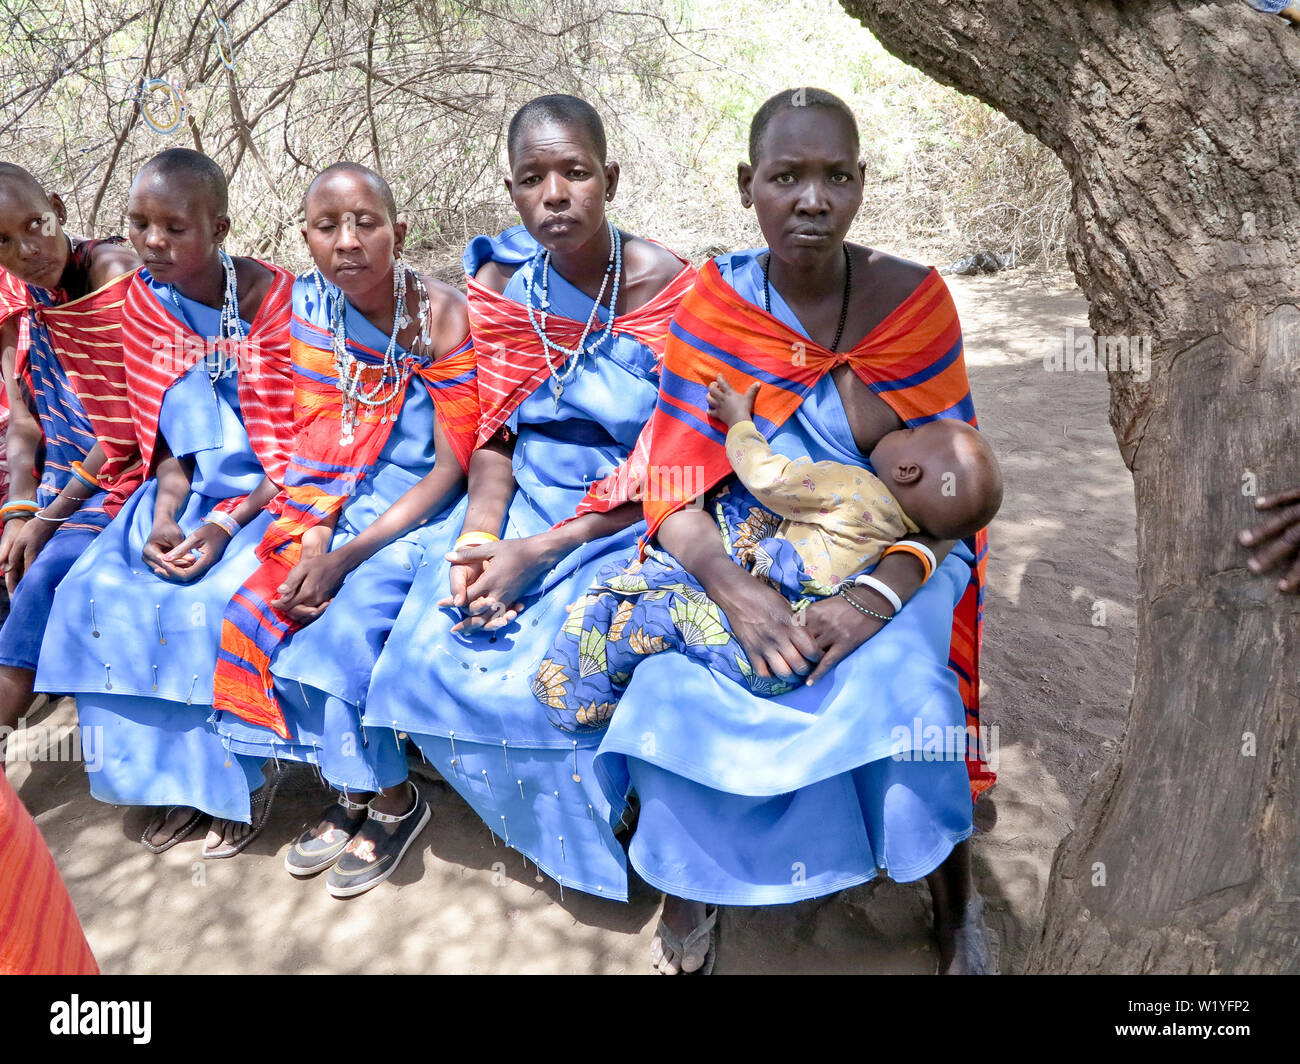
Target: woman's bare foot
[
  {"x": 959, "y": 916},
  {"x": 682, "y": 917},
  {"x": 165, "y": 824},
  {"x": 226, "y": 833},
  {"x": 964, "y": 946}
]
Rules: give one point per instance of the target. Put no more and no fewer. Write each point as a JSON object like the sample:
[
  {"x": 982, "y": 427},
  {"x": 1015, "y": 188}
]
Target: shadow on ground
[{"x": 1056, "y": 684}]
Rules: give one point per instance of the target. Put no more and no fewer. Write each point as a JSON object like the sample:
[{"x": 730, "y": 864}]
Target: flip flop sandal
[
  {"x": 260, "y": 807},
  {"x": 313, "y": 853},
  {"x": 379, "y": 853},
  {"x": 679, "y": 948},
  {"x": 179, "y": 835}
]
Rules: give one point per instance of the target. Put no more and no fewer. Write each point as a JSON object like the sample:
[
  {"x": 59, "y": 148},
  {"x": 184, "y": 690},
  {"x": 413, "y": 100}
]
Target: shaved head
[
  {"x": 14, "y": 176},
  {"x": 33, "y": 246},
  {"x": 196, "y": 170},
  {"x": 356, "y": 170},
  {"x": 794, "y": 99},
  {"x": 560, "y": 110}
]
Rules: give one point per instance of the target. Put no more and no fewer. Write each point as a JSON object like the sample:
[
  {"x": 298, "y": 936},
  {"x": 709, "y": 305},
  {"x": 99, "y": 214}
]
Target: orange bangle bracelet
[
  {"x": 907, "y": 548},
  {"x": 89, "y": 479}
]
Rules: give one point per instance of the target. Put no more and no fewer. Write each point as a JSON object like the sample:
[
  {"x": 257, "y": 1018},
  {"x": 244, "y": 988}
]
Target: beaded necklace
[
  {"x": 219, "y": 359},
  {"x": 844, "y": 305},
  {"x": 389, "y": 382},
  {"x": 572, "y": 358}
]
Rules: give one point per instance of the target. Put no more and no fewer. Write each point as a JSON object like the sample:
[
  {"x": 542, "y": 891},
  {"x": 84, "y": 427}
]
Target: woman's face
[
  {"x": 806, "y": 184},
  {"x": 560, "y": 187},
  {"x": 32, "y": 245},
  {"x": 350, "y": 235},
  {"x": 174, "y": 229}
]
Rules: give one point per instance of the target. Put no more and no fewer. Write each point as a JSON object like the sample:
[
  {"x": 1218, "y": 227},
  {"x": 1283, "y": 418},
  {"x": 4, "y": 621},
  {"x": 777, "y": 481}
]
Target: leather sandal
[
  {"x": 179, "y": 835},
  {"x": 708, "y": 927},
  {"x": 259, "y": 803}
]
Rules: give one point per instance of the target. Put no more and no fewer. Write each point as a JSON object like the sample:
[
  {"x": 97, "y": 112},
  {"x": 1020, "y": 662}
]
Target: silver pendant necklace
[
  {"x": 386, "y": 386},
  {"x": 572, "y": 358}
]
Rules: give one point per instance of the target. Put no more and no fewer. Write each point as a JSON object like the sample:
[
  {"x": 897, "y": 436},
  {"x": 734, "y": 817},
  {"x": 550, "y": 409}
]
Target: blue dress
[
  {"x": 68, "y": 437},
  {"x": 746, "y": 800},
  {"x": 466, "y": 699},
  {"x": 322, "y": 671},
  {"x": 139, "y": 650}
]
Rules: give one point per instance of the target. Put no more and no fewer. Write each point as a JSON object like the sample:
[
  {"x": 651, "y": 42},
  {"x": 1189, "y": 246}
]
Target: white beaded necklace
[
  {"x": 388, "y": 386},
  {"x": 215, "y": 359},
  {"x": 572, "y": 357}
]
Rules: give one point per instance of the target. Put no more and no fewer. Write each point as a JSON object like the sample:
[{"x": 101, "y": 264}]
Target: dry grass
[{"x": 422, "y": 91}]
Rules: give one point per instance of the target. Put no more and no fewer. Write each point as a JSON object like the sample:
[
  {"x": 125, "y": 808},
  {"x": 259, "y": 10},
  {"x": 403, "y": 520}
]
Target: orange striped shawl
[
  {"x": 912, "y": 360},
  {"x": 86, "y": 334}
]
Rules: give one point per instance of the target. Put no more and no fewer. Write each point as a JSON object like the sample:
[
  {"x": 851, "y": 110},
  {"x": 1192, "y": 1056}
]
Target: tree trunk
[{"x": 1179, "y": 125}]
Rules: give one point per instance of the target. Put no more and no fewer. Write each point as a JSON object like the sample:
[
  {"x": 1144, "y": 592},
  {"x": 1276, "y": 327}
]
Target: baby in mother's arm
[{"x": 939, "y": 479}]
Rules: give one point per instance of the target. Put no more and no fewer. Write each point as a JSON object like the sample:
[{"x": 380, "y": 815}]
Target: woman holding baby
[{"x": 749, "y": 796}]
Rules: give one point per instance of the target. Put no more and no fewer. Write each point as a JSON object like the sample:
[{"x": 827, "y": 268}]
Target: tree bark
[{"x": 1179, "y": 126}]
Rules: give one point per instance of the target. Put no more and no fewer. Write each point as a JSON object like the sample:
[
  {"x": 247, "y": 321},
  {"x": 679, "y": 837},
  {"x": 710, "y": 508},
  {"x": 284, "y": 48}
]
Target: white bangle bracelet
[
  {"x": 52, "y": 520},
  {"x": 224, "y": 522},
  {"x": 880, "y": 586},
  {"x": 922, "y": 548}
]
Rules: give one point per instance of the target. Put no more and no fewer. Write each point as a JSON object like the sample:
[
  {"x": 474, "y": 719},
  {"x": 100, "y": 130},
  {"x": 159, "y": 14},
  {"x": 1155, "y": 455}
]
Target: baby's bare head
[{"x": 944, "y": 476}]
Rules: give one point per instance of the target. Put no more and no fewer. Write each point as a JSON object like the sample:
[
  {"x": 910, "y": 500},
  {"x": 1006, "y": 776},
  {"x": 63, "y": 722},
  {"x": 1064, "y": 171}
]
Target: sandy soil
[{"x": 1056, "y": 684}]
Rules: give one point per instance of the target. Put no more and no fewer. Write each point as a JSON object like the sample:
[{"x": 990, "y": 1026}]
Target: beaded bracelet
[
  {"x": 919, "y": 551},
  {"x": 475, "y": 539},
  {"x": 862, "y": 609},
  {"x": 89, "y": 479},
  {"x": 223, "y": 521}
]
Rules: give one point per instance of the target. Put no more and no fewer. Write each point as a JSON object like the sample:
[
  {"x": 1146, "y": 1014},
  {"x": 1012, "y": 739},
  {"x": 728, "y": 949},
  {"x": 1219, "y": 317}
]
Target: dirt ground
[{"x": 1057, "y": 670}]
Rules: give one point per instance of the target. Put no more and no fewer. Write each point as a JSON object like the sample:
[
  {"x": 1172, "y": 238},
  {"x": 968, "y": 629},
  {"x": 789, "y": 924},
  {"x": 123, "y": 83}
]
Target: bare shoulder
[
  {"x": 646, "y": 262},
  {"x": 449, "y": 308},
  {"x": 649, "y": 269},
  {"x": 893, "y": 279},
  {"x": 254, "y": 281},
  {"x": 495, "y": 275},
  {"x": 109, "y": 261}
]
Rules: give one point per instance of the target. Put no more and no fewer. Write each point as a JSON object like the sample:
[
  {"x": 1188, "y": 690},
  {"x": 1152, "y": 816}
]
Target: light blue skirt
[
  {"x": 467, "y": 702},
  {"x": 758, "y": 801},
  {"x": 139, "y": 652},
  {"x": 322, "y": 674}
]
